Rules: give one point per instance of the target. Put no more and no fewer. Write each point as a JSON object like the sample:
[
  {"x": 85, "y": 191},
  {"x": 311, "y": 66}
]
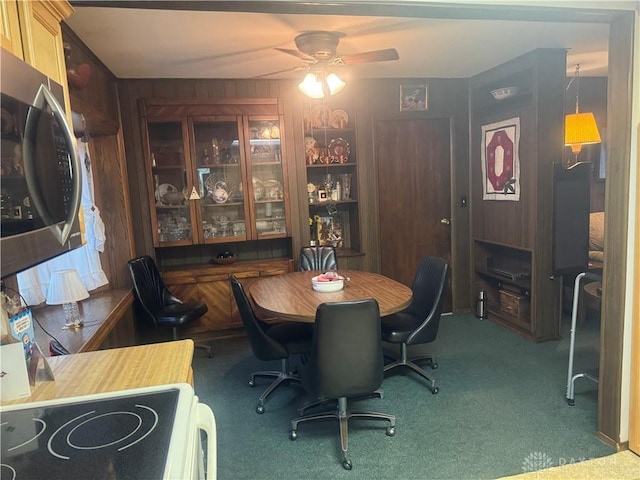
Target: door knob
[{"x": 445, "y": 221}]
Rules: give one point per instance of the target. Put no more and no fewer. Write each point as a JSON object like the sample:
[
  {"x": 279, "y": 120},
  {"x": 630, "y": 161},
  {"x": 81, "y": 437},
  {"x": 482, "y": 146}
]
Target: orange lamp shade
[{"x": 580, "y": 129}]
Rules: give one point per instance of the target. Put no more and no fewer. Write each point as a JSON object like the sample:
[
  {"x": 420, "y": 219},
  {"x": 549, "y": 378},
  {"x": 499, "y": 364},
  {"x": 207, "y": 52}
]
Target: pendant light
[{"x": 579, "y": 128}]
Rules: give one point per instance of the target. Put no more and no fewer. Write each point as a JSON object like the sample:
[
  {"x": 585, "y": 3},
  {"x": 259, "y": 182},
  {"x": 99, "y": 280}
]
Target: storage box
[{"x": 514, "y": 304}]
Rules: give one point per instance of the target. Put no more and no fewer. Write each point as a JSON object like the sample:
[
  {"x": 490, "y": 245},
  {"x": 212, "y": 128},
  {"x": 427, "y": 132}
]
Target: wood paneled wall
[
  {"x": 98, "y": 102},
  {"x": 372, "y": 100}
]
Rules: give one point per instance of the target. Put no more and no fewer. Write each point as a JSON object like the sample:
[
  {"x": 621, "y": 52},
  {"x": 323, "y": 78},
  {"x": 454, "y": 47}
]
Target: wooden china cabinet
[
  {"x": 215, "y": 170},
  {"x": 332, "y": 181},
  {"x": 216, "y": 175}
]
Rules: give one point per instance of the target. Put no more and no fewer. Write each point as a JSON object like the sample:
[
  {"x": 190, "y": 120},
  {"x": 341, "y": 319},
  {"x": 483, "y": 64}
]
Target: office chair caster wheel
[
  {"x": 347, "y": 465},
  {"x": 571, "y": 402},
  {"x": 252, "y": 383},
  {"x": 435, "y": 390},
  {"x": 434, "y": 366},
  {"x": 391, "y": 431},
  {"x": 293, "y": 434},
  {"x": 260, "y": 409}
]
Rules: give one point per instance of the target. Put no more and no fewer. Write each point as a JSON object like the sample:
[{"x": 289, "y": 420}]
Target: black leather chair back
[
  {"x": 428, "y": 287},
  {"x": 151, "y": 291},
  {"x": 318, "y": 258},
  {"x": 263, "y": 346},
  {"x": 346, "y": 357}
]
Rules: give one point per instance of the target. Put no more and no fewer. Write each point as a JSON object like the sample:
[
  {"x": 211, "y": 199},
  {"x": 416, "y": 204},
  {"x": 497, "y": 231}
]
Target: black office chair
[
  {"x": 318, "y": 258},
  {"x": 271, "y": 342},
  {"x": 419, "y": 322},
  {"x": 346, "y": 361},
  {"x": 158, "y": 305}
]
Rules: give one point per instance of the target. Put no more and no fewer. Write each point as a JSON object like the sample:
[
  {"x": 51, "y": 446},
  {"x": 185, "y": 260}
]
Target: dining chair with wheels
[
  {"x": 419, "y": 322},
  {"x": 271, "y": 342},
  {"x": 318, "y": 258},
  {"x": 346, "y": 361},
  {"x": 157, "y": 305}
]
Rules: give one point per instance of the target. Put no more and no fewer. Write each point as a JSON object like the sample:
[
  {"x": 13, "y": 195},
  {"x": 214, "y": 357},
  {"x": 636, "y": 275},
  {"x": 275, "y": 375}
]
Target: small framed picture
[{"x": 413, "y": 97}]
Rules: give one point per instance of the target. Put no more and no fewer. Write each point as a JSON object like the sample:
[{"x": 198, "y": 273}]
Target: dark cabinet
[{"x": 517, "y": 135}]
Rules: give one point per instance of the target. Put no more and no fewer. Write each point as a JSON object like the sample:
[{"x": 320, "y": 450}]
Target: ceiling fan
[{"x": 318, "y": 50}]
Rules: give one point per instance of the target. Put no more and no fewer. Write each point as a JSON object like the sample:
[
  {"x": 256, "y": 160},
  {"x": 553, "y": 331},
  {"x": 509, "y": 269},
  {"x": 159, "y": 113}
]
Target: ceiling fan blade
[
  {"x": 294, "y": 69},
  {"x": 366, "y": 57},
  {"x": 296, "y": 53}
]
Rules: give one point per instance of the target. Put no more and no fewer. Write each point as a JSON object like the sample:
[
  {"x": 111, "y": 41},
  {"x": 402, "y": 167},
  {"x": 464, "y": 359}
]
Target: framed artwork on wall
[
  {"x": 413, "y": 97},
  {"x": 500, "y": 157}
]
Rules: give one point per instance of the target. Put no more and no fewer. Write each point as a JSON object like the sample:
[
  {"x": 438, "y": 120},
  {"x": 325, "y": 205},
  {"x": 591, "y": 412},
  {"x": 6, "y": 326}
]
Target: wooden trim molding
[{"x": 634, "y": 401}]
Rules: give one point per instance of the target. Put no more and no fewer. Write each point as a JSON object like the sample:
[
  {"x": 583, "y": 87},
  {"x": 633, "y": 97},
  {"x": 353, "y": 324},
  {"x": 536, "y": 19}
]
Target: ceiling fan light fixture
[
  {"x": 311, "y": 86},
  {"x": 335, "y": 83},
  {"x": 318, "y": 85}
]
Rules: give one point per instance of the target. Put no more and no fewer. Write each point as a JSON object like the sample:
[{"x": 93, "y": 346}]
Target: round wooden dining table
[{"x": 291, "y": 297}]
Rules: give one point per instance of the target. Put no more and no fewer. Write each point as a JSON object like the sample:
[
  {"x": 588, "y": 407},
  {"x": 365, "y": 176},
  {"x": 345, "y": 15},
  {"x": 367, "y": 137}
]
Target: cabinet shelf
[
  {"x": 523, "y": 283},
  {"x": 218, "y": 165},
  {"x": 331, "y": 202},
  {"x": 218, "y": 205},
  {"x": 332, "y": 165},
  {"x": 258, "y": 163},
  {"x": 172, "y": 207},
  {"x": 167, "y": 167},
  {"x": 328, "y": 130}
]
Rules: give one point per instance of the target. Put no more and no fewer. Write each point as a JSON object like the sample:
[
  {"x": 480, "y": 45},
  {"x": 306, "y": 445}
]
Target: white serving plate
[{"x": 326, "y": 287}]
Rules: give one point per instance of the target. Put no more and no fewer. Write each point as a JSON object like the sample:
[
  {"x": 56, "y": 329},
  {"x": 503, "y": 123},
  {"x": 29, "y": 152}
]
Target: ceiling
[{"x": 157, "y": 43}]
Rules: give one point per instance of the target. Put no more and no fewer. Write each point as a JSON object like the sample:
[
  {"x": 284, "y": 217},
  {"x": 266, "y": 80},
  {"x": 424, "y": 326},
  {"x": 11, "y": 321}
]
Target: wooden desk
[
  {"x": 290, "y": 296},
  {"x": 115, "y": 369},
  {"x": 108, "y": 323}
]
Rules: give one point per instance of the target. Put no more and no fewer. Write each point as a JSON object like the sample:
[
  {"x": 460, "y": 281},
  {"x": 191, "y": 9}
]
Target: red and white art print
[{"x": 500, "y": 160}]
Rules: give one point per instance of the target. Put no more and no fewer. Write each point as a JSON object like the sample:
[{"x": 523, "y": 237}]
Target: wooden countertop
[
  {"x": 115, "y": 369},
  {"x": 100, "y": 313}
]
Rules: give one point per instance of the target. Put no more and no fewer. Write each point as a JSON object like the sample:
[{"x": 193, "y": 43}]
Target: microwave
[{"x": 40, "y": 176}]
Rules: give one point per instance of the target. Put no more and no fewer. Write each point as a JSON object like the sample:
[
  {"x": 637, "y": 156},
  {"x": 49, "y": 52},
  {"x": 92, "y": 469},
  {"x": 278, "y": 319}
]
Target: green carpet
[{"x": 500, "y": 410}]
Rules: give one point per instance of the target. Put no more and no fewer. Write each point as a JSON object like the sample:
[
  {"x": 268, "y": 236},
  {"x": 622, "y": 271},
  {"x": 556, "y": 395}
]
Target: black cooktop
[{"x": 113, "y": 438}]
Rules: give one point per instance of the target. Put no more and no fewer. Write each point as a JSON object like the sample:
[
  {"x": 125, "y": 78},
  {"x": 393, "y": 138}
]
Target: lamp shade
[
  {"x": 335, "y": 83},
  {"x": 317, "y": 85},
  {"x": 580, "y": 129},
  {"x": 65, "y": 286},
  {"x": 311, "y": 86}
]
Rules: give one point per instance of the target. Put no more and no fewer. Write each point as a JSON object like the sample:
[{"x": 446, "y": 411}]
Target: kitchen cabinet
[
  {"x": 332, "y": 180},
  {"x": 216, "y": 171},
  {"x": 210, "y": 284},
  {"x": 10, "y": 38},
  {"x": 41, "y": 35},
  {"x": 31, "y": 31}
]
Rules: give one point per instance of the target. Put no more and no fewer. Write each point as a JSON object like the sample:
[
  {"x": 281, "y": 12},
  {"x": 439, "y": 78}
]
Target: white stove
[{"x": 144, "y": 433}]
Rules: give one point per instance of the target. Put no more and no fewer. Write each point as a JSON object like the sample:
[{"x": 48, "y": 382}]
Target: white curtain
[{"x": 33, "y": 283}]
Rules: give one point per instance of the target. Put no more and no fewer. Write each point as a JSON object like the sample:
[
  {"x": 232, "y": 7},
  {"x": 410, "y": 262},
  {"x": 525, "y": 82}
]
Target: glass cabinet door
[
  {"x": 219, "y": 167},
  {"x": 267, "y": 177},
  {"x": 169, "y": 176}
]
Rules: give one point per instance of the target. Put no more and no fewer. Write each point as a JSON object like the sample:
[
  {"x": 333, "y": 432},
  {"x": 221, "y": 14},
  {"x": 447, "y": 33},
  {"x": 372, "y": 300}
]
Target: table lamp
[{"x": 66, "y": 289}]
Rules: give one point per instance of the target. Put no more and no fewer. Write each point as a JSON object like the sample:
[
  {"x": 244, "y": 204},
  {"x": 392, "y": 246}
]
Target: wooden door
[{"x": 414, "y": 191}]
